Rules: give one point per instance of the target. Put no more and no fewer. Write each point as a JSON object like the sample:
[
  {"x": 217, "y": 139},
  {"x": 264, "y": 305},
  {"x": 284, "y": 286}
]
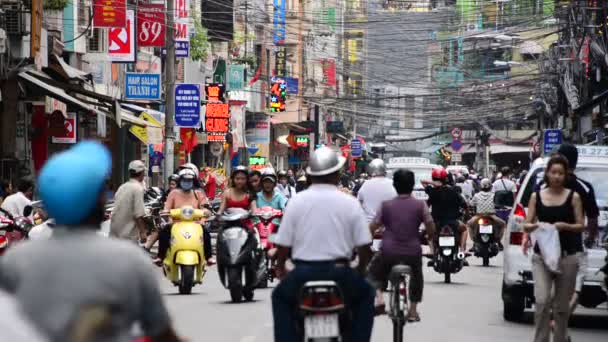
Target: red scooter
[
  {"x": 266, "y": 227},
  {"x": 13, "y": 229}
]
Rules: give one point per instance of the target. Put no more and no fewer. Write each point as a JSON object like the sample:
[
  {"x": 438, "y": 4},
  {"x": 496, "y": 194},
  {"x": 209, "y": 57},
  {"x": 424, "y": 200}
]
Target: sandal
[{"x": 413, "y": 318}]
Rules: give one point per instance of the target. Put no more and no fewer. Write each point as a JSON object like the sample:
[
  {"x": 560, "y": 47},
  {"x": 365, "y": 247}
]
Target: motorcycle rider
[
  {"x": 401, "y": 218},
  {"x": 376, "y": 190},
  {"x": 466, "y": 188},
  {"x": 446, "y": 204},
  {"x": 285, "y": 186},
  {"x": 255, "y": 181},
  {"x": 320, "y": 228},
  {"x": 52, "y": 291},
  {"x": 483, "y": 202},
  {"x": 239, "y": 194},
  {"x": 270, "y": 196},
  {"x": 127, "y": 220},
  {"x": 16, "y": 202},
  {"x": 185, "y": 195}
]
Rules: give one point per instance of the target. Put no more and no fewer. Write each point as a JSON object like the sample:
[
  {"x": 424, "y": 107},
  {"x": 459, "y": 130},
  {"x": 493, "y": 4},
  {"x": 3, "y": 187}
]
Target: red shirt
[{"x": 210, "y": 187}]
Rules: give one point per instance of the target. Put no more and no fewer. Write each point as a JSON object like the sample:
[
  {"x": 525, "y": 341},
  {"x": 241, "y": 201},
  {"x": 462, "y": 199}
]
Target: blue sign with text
[
  {"x": 187, "y": 105},
  {"x": 142, "y": 86},
  {"x": 356, "y": 149},
  {"x": 552, "y": 138},
  {"x": 182, "y": 50}
]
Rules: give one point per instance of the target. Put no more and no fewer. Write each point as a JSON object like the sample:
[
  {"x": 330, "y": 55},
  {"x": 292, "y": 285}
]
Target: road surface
[{"x": 470, "y": 309}]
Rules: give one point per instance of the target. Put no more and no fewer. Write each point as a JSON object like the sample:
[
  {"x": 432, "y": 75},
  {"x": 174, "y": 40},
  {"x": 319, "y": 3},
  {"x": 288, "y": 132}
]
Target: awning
[
  {"x": 160, "y": 116},
  {"x": 58, "y": 93},
  {"x": 66, "y": 70},
  {"x": 530, "y": 47},
  {"x": 501, "y": 148}
]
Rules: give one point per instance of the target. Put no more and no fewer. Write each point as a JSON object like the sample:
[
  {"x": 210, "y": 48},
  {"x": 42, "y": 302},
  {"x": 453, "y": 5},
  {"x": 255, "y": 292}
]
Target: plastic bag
[{"x": 547, "y": 238}]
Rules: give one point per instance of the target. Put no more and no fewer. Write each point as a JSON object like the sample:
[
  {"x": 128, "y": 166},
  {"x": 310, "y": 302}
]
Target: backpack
[{"x": 504, "y": 197}]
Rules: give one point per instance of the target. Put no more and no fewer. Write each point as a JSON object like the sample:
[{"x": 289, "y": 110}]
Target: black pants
[
  {"x": 380, "y": 267},
  {"x": 164, "y": 236}
]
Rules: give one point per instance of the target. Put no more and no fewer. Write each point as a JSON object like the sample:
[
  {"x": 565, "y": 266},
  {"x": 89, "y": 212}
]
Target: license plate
[
  {"x": 321, "y": 326},
  {"x": 376, "y": 244},
  {"x": 485, "y": 229},
  {"x": 447, "y": 241}
]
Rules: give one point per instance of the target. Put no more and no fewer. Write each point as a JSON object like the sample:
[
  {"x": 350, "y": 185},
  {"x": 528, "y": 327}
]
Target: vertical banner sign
[
  {"x": 236, "y": 77},
  {"x": 278, "y": 94},
  {"x": 187, "y": 105},
  {"x": 356, "y": 150},
  {"x": 151, "y": 25},
  {"x": 110, "y": 13},
  {"x": 121, "y": 41},
  {"x": 182, "y": 22},
  {"x": 279, "y": 22},
  {"x": 217, "y": 113},
  {"x": 281, "y": 60}
]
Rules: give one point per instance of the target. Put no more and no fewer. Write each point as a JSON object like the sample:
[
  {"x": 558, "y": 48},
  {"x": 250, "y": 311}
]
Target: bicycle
[{"x": 398, "y": 303}]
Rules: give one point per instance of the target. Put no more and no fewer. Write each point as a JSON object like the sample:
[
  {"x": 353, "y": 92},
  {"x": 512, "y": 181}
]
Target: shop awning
[
  {"x": 38, "y": 81},
  {"x": 66, "y": 70},
  {"x": 501, "y": 148},
  {"x": 160, "y": 116}
]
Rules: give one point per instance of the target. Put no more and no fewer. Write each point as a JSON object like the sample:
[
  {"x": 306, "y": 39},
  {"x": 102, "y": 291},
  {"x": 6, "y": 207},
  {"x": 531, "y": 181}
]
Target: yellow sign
[{"x": 142, "y": 132}]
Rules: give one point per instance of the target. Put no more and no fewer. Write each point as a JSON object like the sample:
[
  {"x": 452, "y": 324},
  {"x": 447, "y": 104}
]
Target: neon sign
[{"x": 278, "y": 95}]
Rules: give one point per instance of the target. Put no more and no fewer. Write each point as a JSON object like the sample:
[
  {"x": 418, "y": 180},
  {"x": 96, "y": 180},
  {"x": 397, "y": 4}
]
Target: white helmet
[
  {"x": 190, "y": 166},
  {"x": 376, "y": 168},
  {"x": 325, "y": 161},
  {"x": 187, "y": 174}
]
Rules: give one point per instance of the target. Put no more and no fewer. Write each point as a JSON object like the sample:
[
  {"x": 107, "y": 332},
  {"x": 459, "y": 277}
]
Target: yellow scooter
[{"x": 184, "y": 264}]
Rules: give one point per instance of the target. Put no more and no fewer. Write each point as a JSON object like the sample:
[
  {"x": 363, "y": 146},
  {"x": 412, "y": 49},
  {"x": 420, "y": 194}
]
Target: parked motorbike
[
  {"x": 323, "y": 314},
  {"x": 14, "y": 229},
  {"x": 241, "y": 264},
  {"x": 184, "y": 264},
  {"x": 266, "y": 225},
  {"x": 447, "y": 259},
  {"x": 485, "y": 244}
]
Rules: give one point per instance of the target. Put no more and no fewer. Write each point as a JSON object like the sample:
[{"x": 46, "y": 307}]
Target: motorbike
[
  {"x": 322, "y": 314},
  {"x": 14, "y": 229},
  {"x": 241, "y": 263},
  {"x": 266, "y": 226},
  {"x": 447, "y": 259},
  {"x": 184, "y": 264},
  {"x": 485, "y": 244}
]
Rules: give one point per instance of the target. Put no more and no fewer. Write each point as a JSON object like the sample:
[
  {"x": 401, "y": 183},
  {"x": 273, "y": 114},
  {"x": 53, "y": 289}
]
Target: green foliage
[
  {"x": 55, "y": 4},
  {"x": 199, "y": 43}
]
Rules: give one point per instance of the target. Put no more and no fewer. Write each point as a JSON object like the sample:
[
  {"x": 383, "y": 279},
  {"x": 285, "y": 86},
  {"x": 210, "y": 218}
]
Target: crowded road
[{"x": 469, "y": 309}]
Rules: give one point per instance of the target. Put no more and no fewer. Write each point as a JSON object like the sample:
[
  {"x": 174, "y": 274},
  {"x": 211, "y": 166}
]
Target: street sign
[
  {"x": 456, "y": 157},
  {"x": 356, "y": 149},
  {"x": 187, "y": 105},
  {"x": 253, "y": 149},
  {"x": 141, "y": 133},
  {"x": 552, "y": 138},
  {"x": 456, "y": 145},
  {"x": 182, "y": 50},
  {"x": 142, "y": 86},
  {"x": 68, "y": 136},
  {"x": 456, "y": 133},
  {"x": 121, "y": 41}
]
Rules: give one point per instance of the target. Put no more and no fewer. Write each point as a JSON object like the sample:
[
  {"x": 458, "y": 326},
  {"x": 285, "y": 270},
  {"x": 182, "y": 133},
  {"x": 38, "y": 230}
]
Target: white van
[
  {"x": 421, "y": 167},
  {"x": 518, "y": 283}
]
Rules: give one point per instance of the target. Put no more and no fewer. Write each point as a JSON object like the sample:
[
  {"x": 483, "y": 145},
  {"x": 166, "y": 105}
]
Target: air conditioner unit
[
  {"x": 97, "y": 42},
  {"x": 14, "y": 17}
]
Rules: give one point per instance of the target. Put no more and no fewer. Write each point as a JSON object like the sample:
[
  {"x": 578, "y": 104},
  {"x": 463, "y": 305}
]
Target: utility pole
[
  {"x": 36, "y": 31},
  {"x": 317, "y": 123},
  {"x": 169, "y": 91}
]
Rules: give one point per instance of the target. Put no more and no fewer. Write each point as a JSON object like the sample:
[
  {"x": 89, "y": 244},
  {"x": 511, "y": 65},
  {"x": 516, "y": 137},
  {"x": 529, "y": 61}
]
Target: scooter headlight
[
  {"x": 187, "y": 213},
  {"x": 446, "y": 252}
]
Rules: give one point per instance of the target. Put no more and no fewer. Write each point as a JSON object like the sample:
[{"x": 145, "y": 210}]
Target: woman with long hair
[
  {"x": 562, "y": 208},
  {"x": 239, "y": 195}
]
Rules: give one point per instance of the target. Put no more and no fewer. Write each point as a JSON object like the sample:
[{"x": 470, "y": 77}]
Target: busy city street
[{"x": 470, "y": 309}]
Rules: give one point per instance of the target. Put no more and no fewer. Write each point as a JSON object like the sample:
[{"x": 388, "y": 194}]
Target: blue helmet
[{"x": 71, "y": 181}]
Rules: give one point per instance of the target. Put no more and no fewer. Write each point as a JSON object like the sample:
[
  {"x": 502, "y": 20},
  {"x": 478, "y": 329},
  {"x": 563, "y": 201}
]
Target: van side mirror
[{"x": 27, "y": 211}]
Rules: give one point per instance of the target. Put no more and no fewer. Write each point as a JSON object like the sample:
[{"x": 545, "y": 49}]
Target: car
[
  {"x": 421, "y": 167},
  {"x": 455, "y": 169},
  {"x": 518, "y": 282}
]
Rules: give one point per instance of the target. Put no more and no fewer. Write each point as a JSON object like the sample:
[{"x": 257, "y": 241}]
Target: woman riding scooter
[{"x": 184, "y": 195}]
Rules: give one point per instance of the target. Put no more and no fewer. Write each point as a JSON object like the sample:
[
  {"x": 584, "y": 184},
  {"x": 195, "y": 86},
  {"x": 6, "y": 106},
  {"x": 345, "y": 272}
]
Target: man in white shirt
[
  {"x": 127, "y": 217},
  {"x": 504, "y": 188},
  {"x": 321, "y": 227},
  {"x": 16, "y": 202},
  {"x": 376, "y": 190}
]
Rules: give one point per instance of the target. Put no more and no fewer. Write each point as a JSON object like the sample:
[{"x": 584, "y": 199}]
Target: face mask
[{"x": 186, "y": 185}]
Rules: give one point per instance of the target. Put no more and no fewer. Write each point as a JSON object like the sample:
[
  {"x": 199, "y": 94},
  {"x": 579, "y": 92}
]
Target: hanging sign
[
  {"x": 121, "y": 42},
  {"x": 68, "y": 136},
  {"x": 143, "y": 134},
  {"x": 278, "y": 95},
  {"x": 552, "y": 138},
  {"x": 257, "y": 163},
  {"x": 187, "y": 105},
  {"x": 142, "y": 86},
  {"x": 109, "y": 13},
  {"x": 217, "y": 121},
  {"x": 151, "y": 25},
  {"x": 280, "y": 60},
  {"x": 278, "y": 36},
  {"x": 182, "y": 20},
  {"x": 236, "y": 77},
  {"x": 356, "y": 149}
]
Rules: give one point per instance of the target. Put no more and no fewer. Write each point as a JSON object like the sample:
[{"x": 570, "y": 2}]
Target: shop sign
[
  {"x": 52, "y": 104},
  {"x": 109, "y": 13},
  {"x": 302, "y": 140},
  {"x": 257, "y": 128},
  {"x": 151, "y": 25},
  {"x": 217, "y": 121},
  {"x": 147, "y": 135},
  {"x": 182, "y": 21},
  {"x": 278, "y": 36},
  {"x": 121, "y": 48},
  {"x": 236, "y": 77},
  {"x": 278, "y": 95},
  {"x": 187, "y": 105},
  {"x": 356, "y": 148},
  {"x": 68, "y": 136},
  {"x": 142, "y": 86},
  {"x": 257, "y": 163},
  {"x": 214, "y": 92}
]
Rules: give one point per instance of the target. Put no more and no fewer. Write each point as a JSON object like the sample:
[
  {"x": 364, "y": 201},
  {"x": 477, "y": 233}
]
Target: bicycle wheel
[{"x": 398, "y": 307}]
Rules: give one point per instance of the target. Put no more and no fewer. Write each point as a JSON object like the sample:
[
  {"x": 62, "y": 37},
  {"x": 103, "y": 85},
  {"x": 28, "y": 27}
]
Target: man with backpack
[{"x": 504, "y": 189}]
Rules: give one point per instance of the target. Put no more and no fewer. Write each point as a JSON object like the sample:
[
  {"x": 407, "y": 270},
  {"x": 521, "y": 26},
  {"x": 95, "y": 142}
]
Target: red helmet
[{"x": 439, "y": 173}]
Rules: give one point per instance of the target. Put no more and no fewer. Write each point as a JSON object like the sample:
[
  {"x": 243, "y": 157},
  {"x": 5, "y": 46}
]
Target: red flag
[
  {"x": 188, "y": 136},
  {"x": 256, "y": 77}
]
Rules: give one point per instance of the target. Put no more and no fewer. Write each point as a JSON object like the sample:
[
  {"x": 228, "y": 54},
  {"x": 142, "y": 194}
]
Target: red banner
[
  {"x": 329, "y": 72},
  {"x": 110, "y": 13},
  {"x": 151, "y": 25}
]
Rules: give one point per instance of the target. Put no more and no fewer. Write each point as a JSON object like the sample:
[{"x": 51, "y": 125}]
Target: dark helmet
[
  {"x": 282, "y": 173},
  {"x": 174, "y": 177}
]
